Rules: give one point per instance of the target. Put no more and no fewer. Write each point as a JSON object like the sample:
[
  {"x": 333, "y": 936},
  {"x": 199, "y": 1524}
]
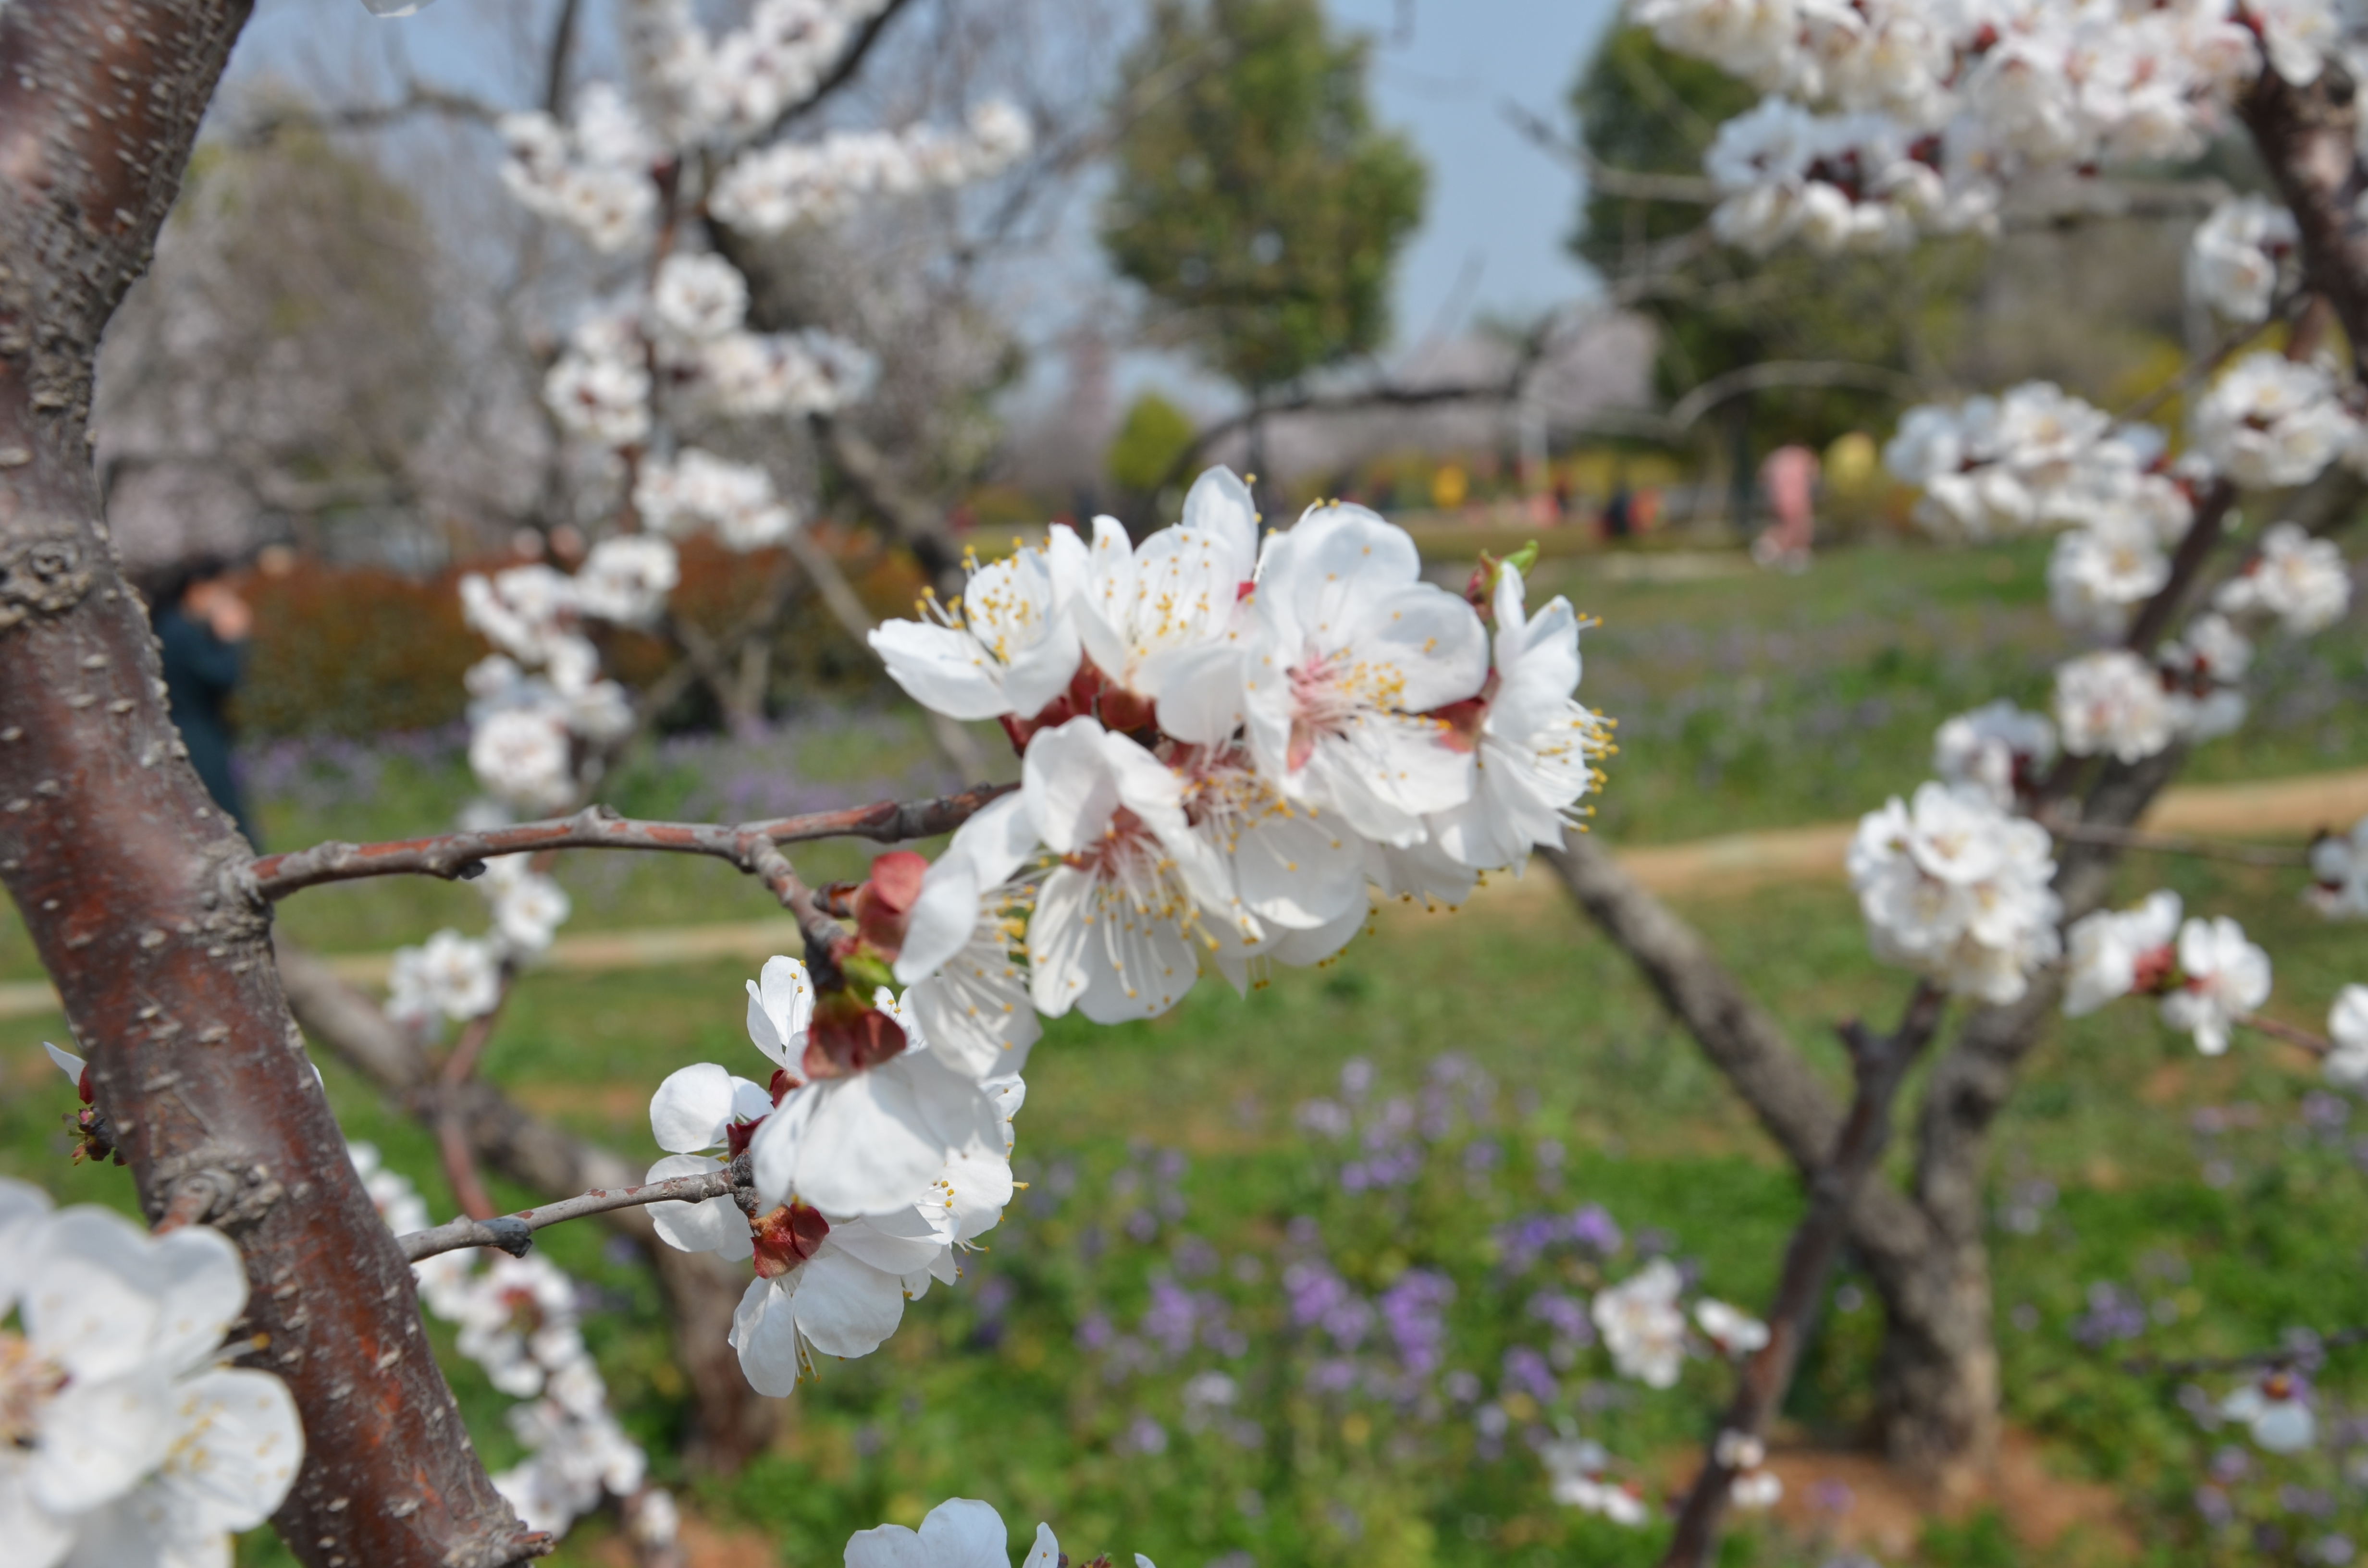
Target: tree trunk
[
  {"x": 133, "y": 887},
  {"x": 1937, "y": 1382}
]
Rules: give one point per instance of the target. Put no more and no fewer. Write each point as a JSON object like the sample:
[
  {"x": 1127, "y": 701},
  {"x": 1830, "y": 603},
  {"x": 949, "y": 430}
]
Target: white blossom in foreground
[
  {"x": 129, "y": 1443},
  {"x": 2222, "y": 977},
  {"x": 1350, "y": 655},
  {"x": 958, "y": 1533},
  {"x": 1956, "y": 890},
  {"x": 1007, "y": 648},
  {"x": 1575, "y": 1479},
  {"x": 2299, "y": 581},
  {"x": 2347, "y": 1035},
  {"x": 2273, "y": 1410},
  {"x": 2271, "y": 421},
  {"x": 1120, "y": 924},
  {"x": 2112, "y": 703},
  {"x": 1998, "y": 749},
  {"x": 1157, "y": 619},
  {"x": 1536, "y": 747},
  {"x": 863, "y": 1124},
  {"x": 1643, "y": 1325},
  {"x": 2112, "y": 954},
  {"x": 2234, "y": 260},
  {"x": 2338, "y": 873},
  {"x": 964, "y": 943}
]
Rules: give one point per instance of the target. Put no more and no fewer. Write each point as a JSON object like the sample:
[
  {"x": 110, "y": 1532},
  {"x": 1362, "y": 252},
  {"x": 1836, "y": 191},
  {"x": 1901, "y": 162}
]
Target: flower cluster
[
  {"x": 2237, "y": 256},
  {"x": 125, "y": 1436},
  {"x": 1835, "y": 182},
  {"x": 1998, "y": 750},
  {"x": 2270, "y": 422},
  {"x": 2208, "y": 976},
  {"x": 2299, "y": 582},
  {"x": 1223, "y": 748},
  {"x": 539, "y": 710},
  {"x": 877, "y": 1151},
  {"x": 519, "y": 1320},
  {"x": 958, "y": 1533},
  {"x": 2036, "y": 458},
  {"x": 1954, "y": 888},
  {"x": 796, "y": 182},
  {"x": 457, "y": 977},
  {"x": 1982, "y": 97}
]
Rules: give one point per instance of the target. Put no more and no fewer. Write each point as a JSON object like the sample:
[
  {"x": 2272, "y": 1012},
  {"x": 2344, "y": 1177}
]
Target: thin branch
[
  {"x": 1602, "y": 178},
  {"x": 2176, "y": 844},
  {"x": 1879, "y": 1065},
  {"x": 514, "y": 1234},
  {"x": 460, "y": 856},
  {"x": 1768, "y": 375},
  {"x": 2296, "y": 1035},
  {"x": 562, "y": 46},
  {"x": 849, "y": 62}
]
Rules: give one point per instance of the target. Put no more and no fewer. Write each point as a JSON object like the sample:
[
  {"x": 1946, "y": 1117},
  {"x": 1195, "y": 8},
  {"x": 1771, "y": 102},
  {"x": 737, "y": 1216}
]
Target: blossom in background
[
  {"x": 1007, "y": 648},
  {"x": 129, "y": 1441},
  {"x": 2097, "y": 577},
  {"x": 2339, "y": 873},
  {"x": 2271, "y": 421},
  {"x": 2299, "y": 581},
  {"x": 2112, "y": 703},
  {"x": 2222, "y": 977},
  {"x": 1575, "y": 1479},
  {"x": 598, "y": 389},
  {"x": 2112, "y": 954},
  {"x": 524, "y": 756},
  {"x": 698, "y": 296},
  {"x": 626, "y": 580},
  {"x": 1536, "y": 747},
  {"x": 791, "y": 182},
  {"x": 1752, "y": 1487},
  {"x": 1736, "y": 1332},
  {"x": 698, "y": 489},
  {"x": 958, "y": 1533},
  {"x": 2346, "y": 1036},
  {"x": 1348, "y": 655},
  {"x": 1643, "y": 1325},
  {"x": 1835, "y": 182},
  {"x": 528, "y": 907},
  {"x": 1956, "y": 890},
  {"x": 2275, "y": 1409},
  {"x": 1998, "y": 749},
  {"x": 1994, "y": 467},
  {"x": 452, "y": 976},
  {"x": 2236, "y": 255}
]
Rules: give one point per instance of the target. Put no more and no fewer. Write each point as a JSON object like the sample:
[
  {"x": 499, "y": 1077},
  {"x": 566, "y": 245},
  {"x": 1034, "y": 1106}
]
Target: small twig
[
  {"x": 1880, "y": 1065},
  {"x": 194, "y": 1200},
  {"x": 512, "y": 1233},
  {"x": 2177, "y": 844},
  {"x": 459, "y": 856},
  {"x": 2293, "y": 1034},
  {"x": 2288, "y": 1356}
]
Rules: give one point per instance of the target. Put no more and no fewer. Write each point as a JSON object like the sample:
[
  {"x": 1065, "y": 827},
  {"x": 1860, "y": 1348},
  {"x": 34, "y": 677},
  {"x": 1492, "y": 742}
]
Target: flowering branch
[
  {"x": 1878, "y": 1066},
  {"x": 514, "y": 1234},
  {"x": 751, "y": 847}
]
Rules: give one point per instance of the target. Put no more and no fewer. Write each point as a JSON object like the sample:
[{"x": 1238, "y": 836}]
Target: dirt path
[{"x": 1705, "y": 868}]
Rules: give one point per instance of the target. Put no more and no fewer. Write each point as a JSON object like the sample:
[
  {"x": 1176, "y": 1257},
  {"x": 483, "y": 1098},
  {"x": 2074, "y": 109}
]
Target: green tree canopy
[
  {"x": 1153, "y": 436},
  {"x": 1256, "y": 200}
]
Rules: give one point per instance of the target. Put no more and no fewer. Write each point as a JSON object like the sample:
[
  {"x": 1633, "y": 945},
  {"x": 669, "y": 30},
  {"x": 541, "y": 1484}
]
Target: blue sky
[{"x": 1497, "y": 203}]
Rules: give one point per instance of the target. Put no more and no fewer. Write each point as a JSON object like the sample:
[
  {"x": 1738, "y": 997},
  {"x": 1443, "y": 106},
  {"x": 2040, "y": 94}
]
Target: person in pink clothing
[{"x": 1789, "y": 479}]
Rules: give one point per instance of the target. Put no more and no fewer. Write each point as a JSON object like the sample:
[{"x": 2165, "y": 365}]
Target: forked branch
[{"x": 514, "y": 1234}]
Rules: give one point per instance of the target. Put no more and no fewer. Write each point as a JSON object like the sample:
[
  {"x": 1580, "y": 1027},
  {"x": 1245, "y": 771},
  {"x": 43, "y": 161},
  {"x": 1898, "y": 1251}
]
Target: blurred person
[
  {"x": 1789, "y": 479},
  {"x": 203, "y": 624}
]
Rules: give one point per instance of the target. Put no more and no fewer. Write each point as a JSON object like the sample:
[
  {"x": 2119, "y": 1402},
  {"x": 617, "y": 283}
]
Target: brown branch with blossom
[
  {"x": 1880, "y": 1066},
  {"x": 514, "y": 1234}
]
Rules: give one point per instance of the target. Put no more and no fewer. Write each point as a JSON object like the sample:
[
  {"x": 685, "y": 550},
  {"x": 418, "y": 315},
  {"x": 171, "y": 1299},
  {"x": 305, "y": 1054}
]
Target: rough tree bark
[
  {"x": 130, "y": 884},
  {"x": 731, "y": 1422}
]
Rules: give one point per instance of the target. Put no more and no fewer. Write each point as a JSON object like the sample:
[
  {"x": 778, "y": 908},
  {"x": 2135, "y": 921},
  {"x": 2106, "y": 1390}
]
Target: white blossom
[
  {"x": 2347, "y": 1034},
  {"x": 2299, "y": 581},
  {"x": 1733, "y": 1330},
  {"x": 2338, "y": 873},
  {"x": 2222, "y": 979},
  {"x": 2202, "y": 669},
  {"x": 1349, "y": 654},
  {"x": 1956, "y": 890},
  {"x": 1998, "y": 749},
  {"x": 626, "y": 580},
  {"x": 1007, "y": 648},
  {"x": 1575, "y": 1479},
  {"x": 698, "y": 489},
  {"x": 958, "y": 1533},
  {"x": 1991, "y": 467},
  {"x": 747, "y": 375},
  {"x": 1159, "y": 619},
  {"x": 964, "y": 945},
  {"x": 1845, "y": 182},
  {"x": 2113, "y": 701},
  {"x": 698, "y": 296},
  {"x": 1536, "y": 747},
  {"x": 2099, "y": 576},
  {"x": 793, "y": 182},
  {"x": 2274, "y": 1411},
  {"x": 128, "y": 1441},
  {"x": 528, "y": 907},
  {"x": 2109, "y": 953},
  {"x": 2234, "y": 260},
  {"x": 1643, "y": 1325},
  {"x": 451, "y": 976},
  {"x": 599, "y": 389},
  {"x": 523, "y": 755},
  {"x": 2271, "y": 421}
]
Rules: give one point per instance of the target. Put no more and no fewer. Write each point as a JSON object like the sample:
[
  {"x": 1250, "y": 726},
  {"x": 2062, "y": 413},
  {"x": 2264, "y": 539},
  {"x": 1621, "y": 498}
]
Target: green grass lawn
[{"x": 1178, "y": 1208}]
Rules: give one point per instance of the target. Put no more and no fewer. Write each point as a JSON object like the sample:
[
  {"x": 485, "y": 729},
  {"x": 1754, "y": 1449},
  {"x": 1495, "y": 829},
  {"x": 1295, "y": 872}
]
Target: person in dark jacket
[{"x": 204, "y": 624}]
